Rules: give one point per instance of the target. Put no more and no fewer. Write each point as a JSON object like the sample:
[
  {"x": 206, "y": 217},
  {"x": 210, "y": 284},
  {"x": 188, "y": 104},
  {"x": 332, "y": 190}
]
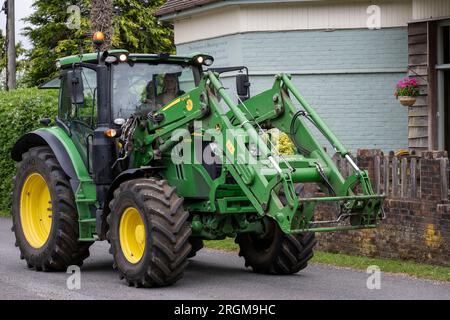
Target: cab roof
[{"x": 135, "y": 57}]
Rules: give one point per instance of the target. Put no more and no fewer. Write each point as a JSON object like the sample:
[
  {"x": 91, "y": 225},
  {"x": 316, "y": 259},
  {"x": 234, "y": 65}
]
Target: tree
[
  {"x": 53, "y": 34},
  {"x": 102, "y": 16},
  {"x": 135, "y": 28},
  {"x": 21, "y": 64}
]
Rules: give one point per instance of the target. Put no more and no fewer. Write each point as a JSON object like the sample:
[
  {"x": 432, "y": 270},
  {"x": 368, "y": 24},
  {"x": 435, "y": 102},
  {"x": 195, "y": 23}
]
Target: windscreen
[{"x": 148, "y": 87}]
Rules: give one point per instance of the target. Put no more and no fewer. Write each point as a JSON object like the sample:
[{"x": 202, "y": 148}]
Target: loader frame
[{"x": 245, "y": 187}]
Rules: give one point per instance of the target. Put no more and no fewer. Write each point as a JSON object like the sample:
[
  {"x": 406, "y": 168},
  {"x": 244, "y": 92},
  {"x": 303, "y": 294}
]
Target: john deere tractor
[{"x": 153, "y": 154}]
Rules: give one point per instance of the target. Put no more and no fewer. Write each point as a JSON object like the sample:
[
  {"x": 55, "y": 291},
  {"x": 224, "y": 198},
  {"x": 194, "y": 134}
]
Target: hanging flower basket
[
  {"x": 407, "y": 91},
  {"x": 407, "y": 101}
]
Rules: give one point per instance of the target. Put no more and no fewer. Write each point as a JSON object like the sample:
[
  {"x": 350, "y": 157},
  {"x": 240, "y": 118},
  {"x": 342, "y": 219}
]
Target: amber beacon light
[{"x": 98, "y": 38}]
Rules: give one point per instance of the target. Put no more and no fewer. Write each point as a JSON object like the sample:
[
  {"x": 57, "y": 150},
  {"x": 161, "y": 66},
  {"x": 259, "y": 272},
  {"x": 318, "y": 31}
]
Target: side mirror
[
  {"x": 243, "y": 86},
  {"x": 75, "y": 86}
]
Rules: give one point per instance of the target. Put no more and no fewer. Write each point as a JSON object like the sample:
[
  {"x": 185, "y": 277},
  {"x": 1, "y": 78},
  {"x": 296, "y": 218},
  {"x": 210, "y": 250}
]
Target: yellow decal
[
  {"x": 230, "y": 147},
  {"x": 189, "y": 105},
  {"x": 170, "y": 105}
]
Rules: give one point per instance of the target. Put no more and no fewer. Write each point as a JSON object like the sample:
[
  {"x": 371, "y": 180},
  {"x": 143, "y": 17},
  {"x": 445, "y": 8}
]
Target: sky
[{"x": 23, "y": 9}]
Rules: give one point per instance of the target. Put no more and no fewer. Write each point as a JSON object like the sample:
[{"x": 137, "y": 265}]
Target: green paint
[
  {"x": 236, "y": 195},
  {"x": 257, "y": 185},
  {"x": 93, "y": 57},
  {"x": 85, "y": 196}
]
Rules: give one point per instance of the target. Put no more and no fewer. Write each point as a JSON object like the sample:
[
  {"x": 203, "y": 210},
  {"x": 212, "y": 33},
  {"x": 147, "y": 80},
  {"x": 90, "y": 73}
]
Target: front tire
[
  {"x": 149, "y": 233},
  {"x": 45, "y": 219},
  {"x": 276, "y": 252}
]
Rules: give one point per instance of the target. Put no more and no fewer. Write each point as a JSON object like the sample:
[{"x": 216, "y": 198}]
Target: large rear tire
[
  {"x": 149, "y": 233},
  {"x": 45, "y": 219},
  {"x": 275, "y": 252}
]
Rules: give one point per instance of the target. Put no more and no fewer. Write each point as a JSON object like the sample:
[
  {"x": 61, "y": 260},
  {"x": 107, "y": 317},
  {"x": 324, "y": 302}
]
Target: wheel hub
[
  {"x": 36, "y": 210},
  {"x": 132, "y": 235}
]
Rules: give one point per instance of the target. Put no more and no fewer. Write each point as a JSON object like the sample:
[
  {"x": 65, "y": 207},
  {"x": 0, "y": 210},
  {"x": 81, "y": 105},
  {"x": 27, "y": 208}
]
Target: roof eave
[{"x": 169, "y": 17}]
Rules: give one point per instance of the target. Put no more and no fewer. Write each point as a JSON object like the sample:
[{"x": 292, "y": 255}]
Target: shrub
[{"x": 20, "y": 112}]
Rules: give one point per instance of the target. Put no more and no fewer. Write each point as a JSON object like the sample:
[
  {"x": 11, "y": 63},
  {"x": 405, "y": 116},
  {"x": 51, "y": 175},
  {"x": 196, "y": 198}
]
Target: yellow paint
[
  {"x": 170, "y": 105},
  {"x": 36, "y": 210},
  {"x": 132, "y": 235},
  {"x": 189, "y": 105},
  {"x": 230, "y": 147},
  {"x": 433, "y": 239}
]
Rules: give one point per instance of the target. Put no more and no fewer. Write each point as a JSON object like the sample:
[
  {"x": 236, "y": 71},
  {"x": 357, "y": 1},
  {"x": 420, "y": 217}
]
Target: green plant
[
  {"x": 407, "y": 87},
  {"x": 20, "y": 112}
]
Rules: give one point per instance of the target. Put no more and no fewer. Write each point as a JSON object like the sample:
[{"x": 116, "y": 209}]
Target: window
[
  {"x": 446, "y": 44},
  {"x": 86, "y": 113},
  {"x": 148, "y": 87}
]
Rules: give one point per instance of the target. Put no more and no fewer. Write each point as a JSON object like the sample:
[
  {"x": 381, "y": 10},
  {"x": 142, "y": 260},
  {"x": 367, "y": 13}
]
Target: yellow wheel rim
[
  {"x": 132, "y": 235},
  {"x": 36, "y": 210}
]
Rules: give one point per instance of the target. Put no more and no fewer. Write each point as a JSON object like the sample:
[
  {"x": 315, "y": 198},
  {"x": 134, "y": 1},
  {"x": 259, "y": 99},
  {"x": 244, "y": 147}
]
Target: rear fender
[{"x": 63, "y": 148}]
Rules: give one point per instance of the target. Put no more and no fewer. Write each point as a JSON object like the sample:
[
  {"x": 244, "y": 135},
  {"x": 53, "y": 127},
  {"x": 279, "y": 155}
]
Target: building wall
[
  {"x": 349, "y": 76},
  {"x": 316, "y": 15},
  {"x": 430, "y": 9}
]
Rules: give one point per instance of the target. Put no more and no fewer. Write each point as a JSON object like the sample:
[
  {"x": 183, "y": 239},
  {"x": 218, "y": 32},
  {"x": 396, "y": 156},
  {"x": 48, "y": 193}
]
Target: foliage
[
  {"x": 51, "y": 38},
  {"x": 21, "y": 64},
  {"x": 407, "y": 87},
  {"x": 136, "y": 29},
  {"x": 343, "y": 260},
  {"x": 20, "y": 111}
]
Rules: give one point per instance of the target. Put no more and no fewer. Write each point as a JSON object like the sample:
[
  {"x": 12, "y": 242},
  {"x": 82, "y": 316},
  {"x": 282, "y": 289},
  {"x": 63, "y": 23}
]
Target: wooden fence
[{"x": 401, "y": 177}]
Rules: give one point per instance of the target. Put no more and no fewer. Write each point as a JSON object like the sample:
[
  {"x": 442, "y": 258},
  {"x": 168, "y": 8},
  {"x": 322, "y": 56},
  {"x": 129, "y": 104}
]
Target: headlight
[
  {"x": 123, "y": 57},
  {"x": 208, "y": 62},
  {"x": 111, "y": 59},
  {"x": 200, "y": 60},
  {"x": 204, "y": 60}
]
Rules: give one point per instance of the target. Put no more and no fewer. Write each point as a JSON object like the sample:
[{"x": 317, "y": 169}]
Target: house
[{"x": 346, "y": 57}]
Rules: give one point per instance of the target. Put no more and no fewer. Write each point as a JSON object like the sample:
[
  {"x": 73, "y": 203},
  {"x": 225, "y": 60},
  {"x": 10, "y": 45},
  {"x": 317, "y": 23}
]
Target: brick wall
[
  {"x": 415, "y": 229},
  {"x": 349, "y": 76}
]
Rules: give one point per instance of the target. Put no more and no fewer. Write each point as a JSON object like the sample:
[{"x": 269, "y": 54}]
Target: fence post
[
  {"x": 433, "y": 176},
  {"x": 413, "y": 178}
]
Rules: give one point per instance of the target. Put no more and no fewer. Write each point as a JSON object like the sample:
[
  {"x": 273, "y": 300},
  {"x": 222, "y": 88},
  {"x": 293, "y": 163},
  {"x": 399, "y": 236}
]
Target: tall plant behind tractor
[{"x": 151, "y": 153}]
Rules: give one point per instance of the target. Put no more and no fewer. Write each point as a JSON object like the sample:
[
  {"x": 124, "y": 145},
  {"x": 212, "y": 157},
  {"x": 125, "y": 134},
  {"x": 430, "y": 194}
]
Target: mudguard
[{"x": 63, "y": 148}]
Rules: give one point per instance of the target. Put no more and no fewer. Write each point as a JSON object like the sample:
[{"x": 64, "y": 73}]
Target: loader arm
[
  {"x": 274, "y": 108},
  {"x": 267, "y": 179}
]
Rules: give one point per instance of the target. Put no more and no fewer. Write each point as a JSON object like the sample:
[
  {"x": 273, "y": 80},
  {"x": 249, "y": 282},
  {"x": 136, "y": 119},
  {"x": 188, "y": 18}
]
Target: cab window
[{"x": 87, "y": 113}]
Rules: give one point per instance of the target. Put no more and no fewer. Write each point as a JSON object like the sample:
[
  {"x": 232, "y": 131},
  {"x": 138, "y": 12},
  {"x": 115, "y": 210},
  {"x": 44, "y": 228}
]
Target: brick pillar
[
  {"x": 366, "y": 160},
  {"x": 433, "y": 175}
]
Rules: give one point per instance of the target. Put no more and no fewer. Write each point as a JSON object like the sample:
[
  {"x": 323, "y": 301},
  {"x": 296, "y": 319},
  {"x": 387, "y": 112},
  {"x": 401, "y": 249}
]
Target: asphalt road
[{"x": 210, "y": 275}]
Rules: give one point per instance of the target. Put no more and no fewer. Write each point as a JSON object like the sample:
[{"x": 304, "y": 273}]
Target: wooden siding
[{"x": 418, "y": 123}]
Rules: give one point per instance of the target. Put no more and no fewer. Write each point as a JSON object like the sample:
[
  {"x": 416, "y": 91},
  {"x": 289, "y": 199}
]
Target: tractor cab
[{"x": 98, "y": 92}]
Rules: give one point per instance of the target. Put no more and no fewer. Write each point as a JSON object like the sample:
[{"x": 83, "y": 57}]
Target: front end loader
[{"x": 151, "y": 152}]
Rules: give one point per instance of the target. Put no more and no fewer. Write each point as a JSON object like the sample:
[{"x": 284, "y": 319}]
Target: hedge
[{"x": 20, "y": 112}]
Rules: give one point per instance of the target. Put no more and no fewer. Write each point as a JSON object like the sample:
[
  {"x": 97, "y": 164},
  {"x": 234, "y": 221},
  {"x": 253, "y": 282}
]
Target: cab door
[{"x": 80, "y": 119}]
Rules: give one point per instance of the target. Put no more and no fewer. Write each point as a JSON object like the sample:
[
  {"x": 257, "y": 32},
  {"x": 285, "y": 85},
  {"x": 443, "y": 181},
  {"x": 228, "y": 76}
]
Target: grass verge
[{"x": 418, "y": 270}]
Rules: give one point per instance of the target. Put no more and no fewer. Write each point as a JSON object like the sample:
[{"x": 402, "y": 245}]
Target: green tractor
[{"x": 151, "y": 153}]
